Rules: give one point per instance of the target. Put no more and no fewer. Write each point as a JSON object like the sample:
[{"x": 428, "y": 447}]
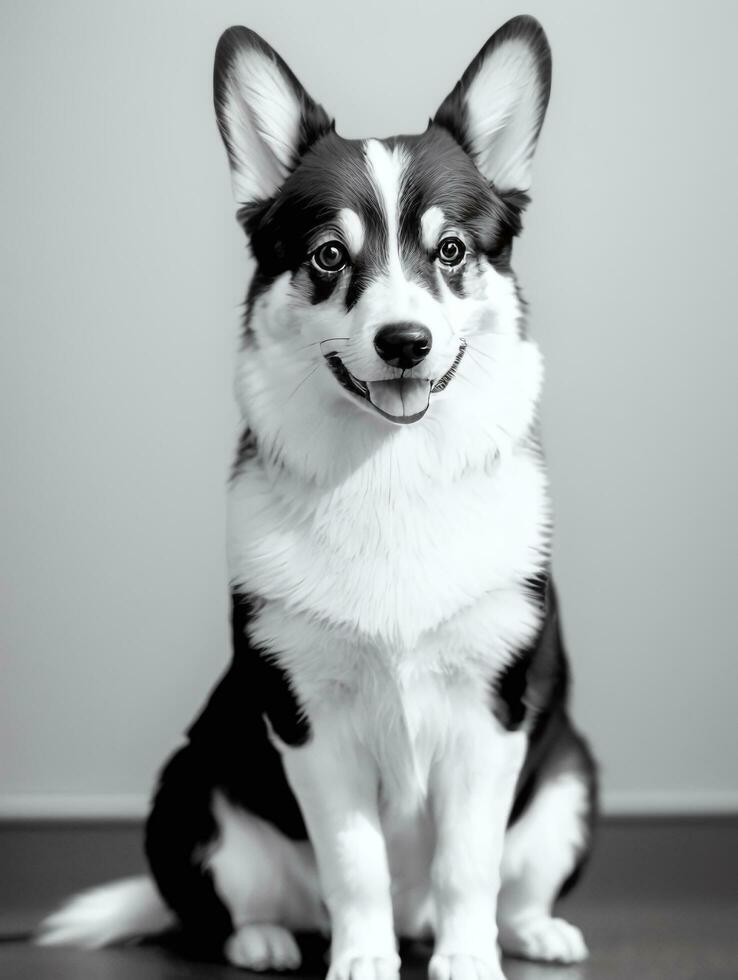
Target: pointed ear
[
  {"x": 266, "y": 118},
  {"x": 497, "y": 108}
]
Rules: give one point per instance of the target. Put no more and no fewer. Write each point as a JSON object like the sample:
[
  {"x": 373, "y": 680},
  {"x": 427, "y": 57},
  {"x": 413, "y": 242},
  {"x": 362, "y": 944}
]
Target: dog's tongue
[{"x": 402, "y": 399}]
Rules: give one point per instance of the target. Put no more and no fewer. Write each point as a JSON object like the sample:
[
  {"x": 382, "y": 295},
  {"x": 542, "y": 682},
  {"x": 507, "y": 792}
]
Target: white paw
[
  {"x": 546, "y": 939},
  {"x": 455, "y": 966},
  {"x": 262, "y": 947},
  {"x": 363, "y": 967}
]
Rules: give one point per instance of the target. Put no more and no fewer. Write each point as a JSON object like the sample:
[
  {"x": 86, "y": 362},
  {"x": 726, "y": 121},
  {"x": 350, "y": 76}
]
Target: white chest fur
[{"x": 386, "y": 554}]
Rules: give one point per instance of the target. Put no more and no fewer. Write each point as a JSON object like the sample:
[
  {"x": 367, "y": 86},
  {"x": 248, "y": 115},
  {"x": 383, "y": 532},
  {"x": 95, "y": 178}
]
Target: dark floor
[{"x": 659, "y": 902}]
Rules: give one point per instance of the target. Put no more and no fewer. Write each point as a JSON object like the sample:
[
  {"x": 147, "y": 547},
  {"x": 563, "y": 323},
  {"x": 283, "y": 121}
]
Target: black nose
[{"x": 403, "y": 345}]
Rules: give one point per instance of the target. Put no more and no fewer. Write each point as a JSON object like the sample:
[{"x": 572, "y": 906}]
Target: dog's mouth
[{"x": 402, "y": 400}]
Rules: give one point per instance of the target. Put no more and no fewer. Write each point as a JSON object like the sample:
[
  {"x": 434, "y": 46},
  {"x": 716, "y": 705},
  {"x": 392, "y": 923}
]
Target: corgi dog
[{"x": 389, "y": 753}]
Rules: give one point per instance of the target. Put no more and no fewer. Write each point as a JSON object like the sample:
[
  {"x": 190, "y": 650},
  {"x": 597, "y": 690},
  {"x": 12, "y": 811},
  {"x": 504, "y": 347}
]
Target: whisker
[
  {"x": 310, "y": 372},
  {"x": 481, "y": 367},
  {"x": 477, "y": 387},
  {"x": 504, "y": 431},
  {"x": 484, "y": 353},
  {"x": 324, "y": 341}
]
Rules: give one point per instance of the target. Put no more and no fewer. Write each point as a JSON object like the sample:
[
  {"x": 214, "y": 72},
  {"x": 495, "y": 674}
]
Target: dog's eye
[
  {"x": 451, "y": 251},
  {"x": 331, "y": 257}
]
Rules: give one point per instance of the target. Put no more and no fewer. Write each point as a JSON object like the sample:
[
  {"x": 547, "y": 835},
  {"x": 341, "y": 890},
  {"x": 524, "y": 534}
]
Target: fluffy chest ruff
[{"x": 386, "y": 559}]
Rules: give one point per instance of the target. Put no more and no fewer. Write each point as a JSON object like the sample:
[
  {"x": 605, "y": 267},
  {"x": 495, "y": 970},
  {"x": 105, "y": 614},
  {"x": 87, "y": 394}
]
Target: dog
[{"x": 389, "y": 752}]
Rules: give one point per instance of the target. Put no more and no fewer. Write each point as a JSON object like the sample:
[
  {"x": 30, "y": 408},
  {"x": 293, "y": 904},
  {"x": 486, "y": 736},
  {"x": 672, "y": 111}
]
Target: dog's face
[{"x": 383, "y": 266}]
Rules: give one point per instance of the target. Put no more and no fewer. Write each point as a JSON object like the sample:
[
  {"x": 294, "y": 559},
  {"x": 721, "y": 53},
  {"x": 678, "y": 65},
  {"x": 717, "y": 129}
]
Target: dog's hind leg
[
  {"x": 543, "y": 850},
  {"x": 269, "y": 884},
  {"x": 237, "y": 884}
]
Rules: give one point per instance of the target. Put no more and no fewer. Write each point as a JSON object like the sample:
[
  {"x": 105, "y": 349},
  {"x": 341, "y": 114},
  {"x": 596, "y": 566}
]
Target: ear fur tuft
[
  {"x": 496, "y": 110},
  {"x": 265, "y": 116}
]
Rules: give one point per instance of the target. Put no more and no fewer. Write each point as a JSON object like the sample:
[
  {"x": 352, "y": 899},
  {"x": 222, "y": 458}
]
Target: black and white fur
[{"x": 389, "y": 752}]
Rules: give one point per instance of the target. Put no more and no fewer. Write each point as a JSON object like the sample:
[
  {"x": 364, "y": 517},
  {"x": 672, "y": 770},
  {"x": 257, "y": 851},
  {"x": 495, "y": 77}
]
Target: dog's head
[{"x": 383, "y": 266}]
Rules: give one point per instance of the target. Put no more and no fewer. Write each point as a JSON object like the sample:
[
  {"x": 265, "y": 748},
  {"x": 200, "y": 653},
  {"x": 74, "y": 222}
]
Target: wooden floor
[{"x": 659, "y": 902}]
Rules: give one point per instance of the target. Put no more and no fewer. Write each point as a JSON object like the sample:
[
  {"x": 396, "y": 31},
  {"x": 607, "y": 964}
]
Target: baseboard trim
[
  {"x": 48, "y": 806},
  {"x": 665, "y": 803},
  {"x": 132, "y": 806}
]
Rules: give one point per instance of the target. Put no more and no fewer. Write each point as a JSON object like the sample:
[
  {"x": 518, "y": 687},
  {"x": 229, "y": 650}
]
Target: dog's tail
[{"x": 121, "y": 910}]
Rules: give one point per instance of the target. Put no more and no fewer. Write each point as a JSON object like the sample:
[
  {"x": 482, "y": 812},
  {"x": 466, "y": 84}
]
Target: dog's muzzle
[{"x": 401, "y": 400}]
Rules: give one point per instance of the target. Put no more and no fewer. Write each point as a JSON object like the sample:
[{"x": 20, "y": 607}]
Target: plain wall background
[{"x": 121, "y": 273}]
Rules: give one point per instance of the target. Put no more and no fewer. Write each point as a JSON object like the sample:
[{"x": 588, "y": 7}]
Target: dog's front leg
[
  {"x": 472, "y": 788},
  {"x": 336, "y": 784}
]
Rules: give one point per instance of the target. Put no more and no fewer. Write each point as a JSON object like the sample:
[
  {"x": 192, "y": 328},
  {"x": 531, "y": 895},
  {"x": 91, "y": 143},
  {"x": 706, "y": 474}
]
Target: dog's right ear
[{"x": 266, "y": 118}]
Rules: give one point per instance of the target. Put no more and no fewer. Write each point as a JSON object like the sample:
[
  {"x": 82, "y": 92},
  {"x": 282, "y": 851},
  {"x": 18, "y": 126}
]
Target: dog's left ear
[
  {"x": 497, "y": 108},
  {"x": 265, "y": 116}
]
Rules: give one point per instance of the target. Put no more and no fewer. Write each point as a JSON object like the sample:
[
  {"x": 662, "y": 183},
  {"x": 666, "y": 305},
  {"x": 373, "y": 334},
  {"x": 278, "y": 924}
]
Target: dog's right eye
[{"x": 331, "y": 257}]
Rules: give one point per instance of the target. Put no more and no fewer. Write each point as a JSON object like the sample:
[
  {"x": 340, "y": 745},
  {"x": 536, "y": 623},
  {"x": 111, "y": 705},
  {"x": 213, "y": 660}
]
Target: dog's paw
[
  {"x": 363, "y": 967},
  {"x": 546, "y": 939},
  {"x": 262, "y": 947},
  {"x": 456, "y": 966}
]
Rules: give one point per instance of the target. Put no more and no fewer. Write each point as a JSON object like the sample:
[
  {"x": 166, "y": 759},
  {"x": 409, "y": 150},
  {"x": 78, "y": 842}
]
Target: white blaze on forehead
[
  {"x": 431, "y": 224},
  {"x": 386, "y": 168},
  {"x": 353, "y": 230}
]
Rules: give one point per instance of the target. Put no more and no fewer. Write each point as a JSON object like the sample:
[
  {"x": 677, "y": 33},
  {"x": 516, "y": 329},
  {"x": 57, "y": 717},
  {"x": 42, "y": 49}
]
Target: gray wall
[{"x": 121, "y": 272}]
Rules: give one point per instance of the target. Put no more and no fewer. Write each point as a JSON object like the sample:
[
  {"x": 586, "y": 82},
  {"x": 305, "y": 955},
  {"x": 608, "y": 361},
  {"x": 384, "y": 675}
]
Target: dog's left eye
[
  {"x": 451, "y": 251},
  {"x": 331, "y": 257}
]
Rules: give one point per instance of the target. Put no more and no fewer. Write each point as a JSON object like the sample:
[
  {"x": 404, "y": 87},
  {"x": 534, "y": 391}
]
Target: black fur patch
[
  {"x": 268, "y": 681},
  {"x": 323, "y": 285},
  {"x": 247, "y": 450},
  {"x": 179, "y": 828},
  {"x": 228, "y": 749},
  {"x": 332, "y": 176},
  {"x": 259, "y": 286},
  {"x": 534, "y": 691},
  {"x": 538, "y": 674},
  {"x": 441, "y": 174},
  {"x": 372, "y": 262}
]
